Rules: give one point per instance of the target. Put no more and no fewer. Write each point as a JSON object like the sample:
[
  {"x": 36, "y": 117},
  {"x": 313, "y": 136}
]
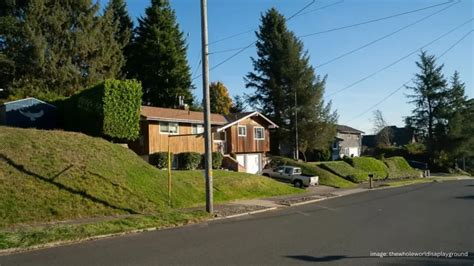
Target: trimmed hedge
[
  {"x": 110, "y": 109},
  {"x": 189, "y": 160},
  {"x": 217, "y": 158},
  {"x": 160, "y": 159},
  {"x": 346, "y": 171},
  {"x": 398, "y": 167},
  {"x": 369, "y": 165}
]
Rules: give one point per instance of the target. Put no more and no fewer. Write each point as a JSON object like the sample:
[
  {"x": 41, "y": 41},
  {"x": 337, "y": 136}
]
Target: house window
[
  {"x": 242, "y": 131},
  {"x": 219, "y": 136},
  {"x": 259, "y": 133},
  {"x": 198, "y": 129},
  {"x": 335, "y": 145},
  {"x": 169, "y": 128}
]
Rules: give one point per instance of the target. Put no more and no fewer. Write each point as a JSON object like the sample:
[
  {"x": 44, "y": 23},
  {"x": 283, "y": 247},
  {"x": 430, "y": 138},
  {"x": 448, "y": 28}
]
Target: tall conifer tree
[
  {"x": 158, "y": 57},
  {"x": 285, "y": 83}
]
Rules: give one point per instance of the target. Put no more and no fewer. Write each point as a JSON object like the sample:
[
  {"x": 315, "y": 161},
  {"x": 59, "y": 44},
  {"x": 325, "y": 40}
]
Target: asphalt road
[{"x": 429, "y": 217}]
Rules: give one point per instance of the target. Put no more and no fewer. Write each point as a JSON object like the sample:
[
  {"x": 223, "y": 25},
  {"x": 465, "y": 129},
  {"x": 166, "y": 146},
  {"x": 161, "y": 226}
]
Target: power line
[
  {"x": 342, "y": 27},
  {"x": 385, "y": 36},
  {"x": 197, "y": 66},
  {"x": 249, "y": 31},
  {"x": 375, "y": 20},
  {"x": 254, "y": 42},
  {"x": 400, "y": 59},
  {"x": 407, "y": 82}
]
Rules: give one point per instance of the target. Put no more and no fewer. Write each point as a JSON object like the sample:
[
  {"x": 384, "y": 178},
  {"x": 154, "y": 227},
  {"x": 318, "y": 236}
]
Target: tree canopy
[
  {"x": 286, "y": 86},
  {"x": 158, "y": 57}
]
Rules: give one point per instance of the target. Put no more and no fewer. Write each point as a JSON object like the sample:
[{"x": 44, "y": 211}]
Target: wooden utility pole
[
  {"x": 207, "y": 112},
  {"x": 297, "y": 149}
]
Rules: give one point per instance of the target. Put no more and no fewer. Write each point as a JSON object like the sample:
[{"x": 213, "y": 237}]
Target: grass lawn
[
  {"x": 346, "y": 171},
  {"x": 325, "y": 177},
  {"x": 51, "y": 176},
  {"x": 398, "y": 167},
  {"x": 369, "y": 165}
]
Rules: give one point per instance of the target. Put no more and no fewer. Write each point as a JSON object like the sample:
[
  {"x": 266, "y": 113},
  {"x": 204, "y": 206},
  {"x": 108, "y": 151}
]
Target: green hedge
[
  {"x": 217, "y": 158},
  {"x": 369, "y": 165},
  {"x": 189, "y": 160},
  {"x": 398, "y": 167},
  {"x": 346, "y": 171},
  {"x": 160, "y": 159},
  {"x": 110, "y": 109}
]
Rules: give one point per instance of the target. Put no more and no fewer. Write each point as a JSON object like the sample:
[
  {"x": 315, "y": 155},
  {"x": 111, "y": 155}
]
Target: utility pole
[
  {"x": 207, "y": 108},
  {"x": 297, "y": 150}
]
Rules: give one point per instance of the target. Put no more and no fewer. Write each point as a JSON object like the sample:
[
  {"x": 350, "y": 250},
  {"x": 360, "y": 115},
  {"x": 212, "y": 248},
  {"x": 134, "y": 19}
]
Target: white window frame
[
  {"x": 245, "y": 131},
  {"x": 255, "y": 133},
  {"x": 169, "y": 124},
  {"x": 195, "y": 128}
]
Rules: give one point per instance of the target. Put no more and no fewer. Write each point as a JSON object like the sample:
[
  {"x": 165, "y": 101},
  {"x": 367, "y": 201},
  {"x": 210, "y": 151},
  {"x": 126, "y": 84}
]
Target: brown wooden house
[{"x": 243, "y": 138}]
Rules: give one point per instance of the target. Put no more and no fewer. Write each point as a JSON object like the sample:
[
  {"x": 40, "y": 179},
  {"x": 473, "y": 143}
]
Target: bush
[
  {"x": 110, "y": 109},
  {"x": 369, "y": 165},
  {"x": 189, "y": 160},
  {"x": 217, "y": 160},
  {"x": 160, "y": 159}
]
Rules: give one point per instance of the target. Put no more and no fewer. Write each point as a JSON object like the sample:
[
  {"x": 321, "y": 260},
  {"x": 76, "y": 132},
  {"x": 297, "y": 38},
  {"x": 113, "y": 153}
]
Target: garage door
[{"x": 251, "y": 162}]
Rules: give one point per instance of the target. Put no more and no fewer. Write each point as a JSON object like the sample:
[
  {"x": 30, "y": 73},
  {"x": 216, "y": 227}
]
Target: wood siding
[
  {"x": 152, "y": 141},
  {"x": 159, "y": 142},
  {"x": 236, "y": 144}
]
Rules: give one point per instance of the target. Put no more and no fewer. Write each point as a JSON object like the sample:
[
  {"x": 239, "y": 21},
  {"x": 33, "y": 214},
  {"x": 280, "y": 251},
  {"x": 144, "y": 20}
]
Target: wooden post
[
  {"x": 169, "y": 172},
  {"x": 370, "y": 181}
]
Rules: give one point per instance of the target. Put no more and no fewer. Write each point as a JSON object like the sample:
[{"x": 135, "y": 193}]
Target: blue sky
[{"x": 228, "y": 17}]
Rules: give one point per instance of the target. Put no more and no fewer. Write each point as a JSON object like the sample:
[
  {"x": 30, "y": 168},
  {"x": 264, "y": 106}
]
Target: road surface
[{"x": 430, "y": 217}]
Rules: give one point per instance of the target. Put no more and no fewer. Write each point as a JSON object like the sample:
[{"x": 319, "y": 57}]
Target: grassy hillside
[
  {"x": 325, "y": 177},
  {"x": 398, "y": 167},
  {"x": 346, "y": 171},
  {"x": 369, "y": 165},
  {"x": 54, "y": 175}
]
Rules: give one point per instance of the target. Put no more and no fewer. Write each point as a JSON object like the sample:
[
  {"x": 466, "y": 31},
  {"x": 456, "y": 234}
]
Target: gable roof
[
  {"x": 179, "y": 115},
  {"x": 236, "y": 118},
  {"x": 348, "y": 129},
  {"x": 192, "y": 117}
]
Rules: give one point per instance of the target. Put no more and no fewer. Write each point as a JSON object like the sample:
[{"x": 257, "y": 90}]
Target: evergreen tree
[
  {"x": 221, "y": 103},
  {"x": 239, "y": 105},
  {"x": 123, "y": 34},
  {"x": 460, "y": 140},
  {"x": 64, "y": 47},
  {"x": 284, "y": 84},
  {"x": 429, "y": 96},
  {"x": 158, "y": 57}
]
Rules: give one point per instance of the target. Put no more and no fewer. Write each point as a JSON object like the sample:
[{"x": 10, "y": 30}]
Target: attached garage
[{"x": 252, "y": 162}]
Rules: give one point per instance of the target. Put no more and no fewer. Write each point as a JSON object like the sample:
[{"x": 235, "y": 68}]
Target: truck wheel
[{"x": 298, "y": 183}]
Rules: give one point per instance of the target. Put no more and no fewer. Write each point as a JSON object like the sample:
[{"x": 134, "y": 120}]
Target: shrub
[
  {"x": 110, "y": 109},
  {"x": 160, "y": 159},
  {"x": 217, "y": 160},
  {"x": 189, "y": 160},
  {"x": 369, "y": 165}
]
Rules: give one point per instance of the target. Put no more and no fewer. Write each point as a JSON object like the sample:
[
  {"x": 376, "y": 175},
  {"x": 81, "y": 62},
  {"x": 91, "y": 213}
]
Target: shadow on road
[
  {"x": 316, "y": 259},
  {"x": 471, "y": 197}
]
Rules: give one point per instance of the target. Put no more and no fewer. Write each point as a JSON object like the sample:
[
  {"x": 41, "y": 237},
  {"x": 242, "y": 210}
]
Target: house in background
[
  {"x": 396, "y": 137},
  {"x": 348, "y": 142},
  {"x": 28, "y": 112},
  {"x": 245, "y": 135}
]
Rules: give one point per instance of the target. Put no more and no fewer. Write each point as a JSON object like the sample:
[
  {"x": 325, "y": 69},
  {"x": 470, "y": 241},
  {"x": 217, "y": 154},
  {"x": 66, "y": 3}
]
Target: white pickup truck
[{"x": 291, "y": 174}]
